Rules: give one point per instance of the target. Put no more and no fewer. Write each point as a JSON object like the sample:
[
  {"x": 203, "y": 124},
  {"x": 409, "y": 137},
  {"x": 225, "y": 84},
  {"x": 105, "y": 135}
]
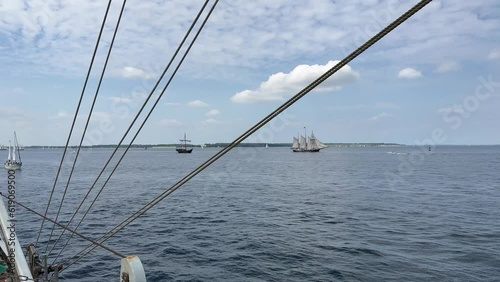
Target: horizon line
[{"x": 261, "y": 143}]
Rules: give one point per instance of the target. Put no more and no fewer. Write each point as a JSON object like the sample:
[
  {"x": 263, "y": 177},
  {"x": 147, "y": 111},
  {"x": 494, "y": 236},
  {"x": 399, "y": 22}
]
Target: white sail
[
  {"x": 320, "y": 145},
  {"x": 295, "y": 144},
  {"x": 316, "y": 144},
  {"x": 9, "y": 157},
  {"x": 14, "y": 158},
  {"x": 302, "y": 142},
  {"x": 312, "y": 143}
]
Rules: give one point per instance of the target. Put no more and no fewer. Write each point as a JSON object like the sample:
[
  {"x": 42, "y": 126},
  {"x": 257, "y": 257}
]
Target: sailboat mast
[{"x": 305, "y": 139}]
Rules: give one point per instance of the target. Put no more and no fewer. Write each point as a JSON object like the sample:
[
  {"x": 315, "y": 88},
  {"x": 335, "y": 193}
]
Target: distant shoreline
[
  {"x": 253, "y": 145},
  {"x": 220, "y": 145}
]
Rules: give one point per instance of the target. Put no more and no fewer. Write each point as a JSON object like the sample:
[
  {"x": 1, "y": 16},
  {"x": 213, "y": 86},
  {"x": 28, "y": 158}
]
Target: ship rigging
[{"x": 131, "y": 266}]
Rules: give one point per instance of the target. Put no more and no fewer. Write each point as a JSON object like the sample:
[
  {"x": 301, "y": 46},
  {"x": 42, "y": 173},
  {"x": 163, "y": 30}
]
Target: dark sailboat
[{"x": 183, "y": 149}]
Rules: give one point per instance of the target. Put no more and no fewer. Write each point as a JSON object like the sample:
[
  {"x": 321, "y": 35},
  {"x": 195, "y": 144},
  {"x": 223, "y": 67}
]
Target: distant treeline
[
  {"x": 290, "y": 144},
  {"x": 220, "y": 145}
]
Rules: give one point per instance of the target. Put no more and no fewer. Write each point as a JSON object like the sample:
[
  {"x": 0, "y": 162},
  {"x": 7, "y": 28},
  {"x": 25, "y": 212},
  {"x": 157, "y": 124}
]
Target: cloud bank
[{"x": 281, "y": 85}]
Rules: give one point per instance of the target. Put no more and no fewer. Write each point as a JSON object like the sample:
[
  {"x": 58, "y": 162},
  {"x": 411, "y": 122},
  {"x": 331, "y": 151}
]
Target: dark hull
[
  {"x": 306, "y": 151},
  {"x": 184, "y": 151}
]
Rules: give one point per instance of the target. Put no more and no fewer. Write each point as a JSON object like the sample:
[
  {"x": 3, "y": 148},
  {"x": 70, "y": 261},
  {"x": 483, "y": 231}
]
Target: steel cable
[
  {"x": 65, "y": 227},
  {"x": 146, "y": 118},
  {"x": 86, "y": 126},
  {"x": 260, "y": 124},
  {"x": 74, "y": 119}
]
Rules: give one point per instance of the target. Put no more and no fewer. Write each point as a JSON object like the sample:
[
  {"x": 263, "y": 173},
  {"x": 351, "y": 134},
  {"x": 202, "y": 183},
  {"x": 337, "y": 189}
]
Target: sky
[{"x": 433, "y": 80}]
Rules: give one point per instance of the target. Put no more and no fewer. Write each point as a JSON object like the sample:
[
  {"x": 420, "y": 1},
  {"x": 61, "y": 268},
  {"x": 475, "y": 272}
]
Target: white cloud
[
  {"x": 409, "y": 73},
  {"x": 448, "y": 67},
  {"x": 121, "y": 100},
  {"x": 210, "y": 121},
  {"x": 49, "y": 38},
  {"x": 376, "y": 106},
  {"x": 131, "y": 72},
  {"x": 212, "y": 113},
  {"x": 60, "y": 115},
  {"x": 134, "y": 99},
  {"x": 197, "y": 104},
  {"x": 279, "y": 86},
  {"x": 495, "y": 54},
  {"x": 170, "y": 123},
  {"x": 380, "y": 116}
]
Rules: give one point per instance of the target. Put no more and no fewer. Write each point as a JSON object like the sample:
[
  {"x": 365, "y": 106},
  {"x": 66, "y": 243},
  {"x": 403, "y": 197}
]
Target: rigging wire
[
  {"x": 88, "y": 121},
  {"x": 148, "y": 115},
  {"x": 74, "y": 119},
  {"x": 65, "y": 227},
  {"x": 260, "y": 124}
]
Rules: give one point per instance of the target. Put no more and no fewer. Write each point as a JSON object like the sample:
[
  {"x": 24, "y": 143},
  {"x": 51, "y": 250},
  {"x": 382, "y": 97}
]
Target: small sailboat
[
  {"x": 267, "y": 146},
  {"x": 183, "y": 149},
  {"x": 13, "y": 161},
  {"x": 307, "y": 144}
]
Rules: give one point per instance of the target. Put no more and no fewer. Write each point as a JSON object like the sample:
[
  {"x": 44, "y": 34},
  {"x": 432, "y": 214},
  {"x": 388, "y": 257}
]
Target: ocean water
[{"x": 344, "y": 214}]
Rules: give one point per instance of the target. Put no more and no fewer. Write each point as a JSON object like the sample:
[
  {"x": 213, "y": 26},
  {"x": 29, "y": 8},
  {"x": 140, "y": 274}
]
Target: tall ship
[
  {"x": 307, "y": 144},
  {"x": 183, "y": 149}
]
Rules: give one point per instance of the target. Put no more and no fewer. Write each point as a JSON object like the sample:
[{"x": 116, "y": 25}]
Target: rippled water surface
[{"x": 344, "y": 214}]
